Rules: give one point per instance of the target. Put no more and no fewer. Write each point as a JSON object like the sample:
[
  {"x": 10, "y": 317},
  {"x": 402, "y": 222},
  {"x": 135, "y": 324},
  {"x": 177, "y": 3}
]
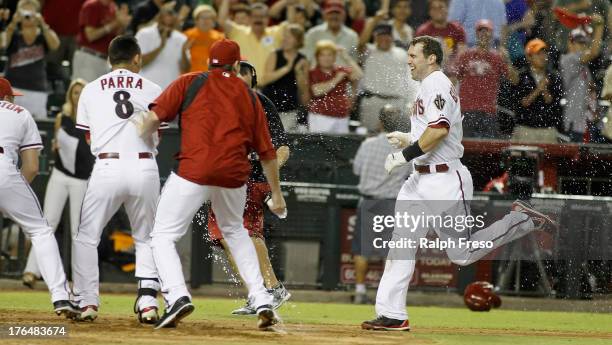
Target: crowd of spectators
[{"x": 522, "y": 75}]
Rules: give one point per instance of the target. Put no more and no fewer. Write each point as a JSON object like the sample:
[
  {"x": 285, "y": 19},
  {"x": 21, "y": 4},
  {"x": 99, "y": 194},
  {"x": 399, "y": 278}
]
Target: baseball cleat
[
  {"x": 67, "y": 308},
  {"x": 247, "y": 309},
  {"x": 88, "y": 313},
  {"x": 29, "y": 279},
  {"x": 383, "y": 323},
  {"x": 541, "y": 221},
  {"x": 180, "y": 309},
  {"x": 266, "y": 317},
  {"x": 148, "y": 315},
  {"x": 280, "y": 294}
]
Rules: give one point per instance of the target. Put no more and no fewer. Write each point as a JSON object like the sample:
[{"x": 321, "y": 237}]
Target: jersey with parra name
[
  {"x": 437, "y": 105},
  {"x": 18, "y": 131},
  {"x": 105, "y": 107}
]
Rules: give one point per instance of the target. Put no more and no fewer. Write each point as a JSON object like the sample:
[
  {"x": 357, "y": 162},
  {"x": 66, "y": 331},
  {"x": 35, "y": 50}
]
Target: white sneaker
[
  {"x": 88, "y": 313},
  {"x": 148, "y": 315}
]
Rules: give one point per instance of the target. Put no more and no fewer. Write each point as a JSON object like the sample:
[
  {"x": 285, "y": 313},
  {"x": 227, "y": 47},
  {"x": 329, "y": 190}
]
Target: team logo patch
[{"x": 439, "y": 102}]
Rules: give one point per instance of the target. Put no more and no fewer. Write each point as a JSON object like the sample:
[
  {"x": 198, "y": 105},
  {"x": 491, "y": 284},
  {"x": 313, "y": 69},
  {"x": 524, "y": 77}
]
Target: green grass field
[{"x": 430, "y": 325}]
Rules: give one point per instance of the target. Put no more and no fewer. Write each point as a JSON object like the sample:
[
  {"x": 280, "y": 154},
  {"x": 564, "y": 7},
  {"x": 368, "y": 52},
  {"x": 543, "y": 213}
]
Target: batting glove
[
  {"x": 399, "y": 140},
  {"x": 394, "y": 160},
  {"x": 270, "y": 204}
]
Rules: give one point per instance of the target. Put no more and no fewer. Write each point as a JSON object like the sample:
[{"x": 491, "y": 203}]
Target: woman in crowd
[
  {"x": 73, "y": 165},
  {"x": 402, "y": 32},
  {"x": 330, "y": 103},
  {"x": 284, "y": 80},
  {"x": 26, "y": 40}
]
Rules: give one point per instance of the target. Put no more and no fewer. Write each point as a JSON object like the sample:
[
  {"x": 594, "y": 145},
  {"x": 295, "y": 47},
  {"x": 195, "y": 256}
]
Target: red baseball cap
[
  {"x": 333, "y": 6},
  {"x": 484, "y": 23},
  {"x": 224, "y": 52},
  {"x": 570, "y": 19},
  {"x": 6, "y": 89}
]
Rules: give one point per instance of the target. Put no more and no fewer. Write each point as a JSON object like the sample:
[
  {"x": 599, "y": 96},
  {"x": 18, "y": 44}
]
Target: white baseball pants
[
  {"x": 178, "y": 204},
  {"x": 417, "y": 196},
  {"x": 129, "y": 181},
  {"x": 19, "y": 203},
  {"x": 59, "y": 188}
]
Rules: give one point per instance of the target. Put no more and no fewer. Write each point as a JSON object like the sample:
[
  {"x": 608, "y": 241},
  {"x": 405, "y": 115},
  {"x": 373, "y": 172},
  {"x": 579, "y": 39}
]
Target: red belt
[
  {"x": 424, "y": 169},
  {"x": 115, "y": 155}
]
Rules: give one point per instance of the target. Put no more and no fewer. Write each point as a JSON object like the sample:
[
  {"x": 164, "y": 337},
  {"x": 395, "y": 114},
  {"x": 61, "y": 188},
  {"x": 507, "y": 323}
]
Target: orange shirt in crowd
[{"x": 201, "y": 46}]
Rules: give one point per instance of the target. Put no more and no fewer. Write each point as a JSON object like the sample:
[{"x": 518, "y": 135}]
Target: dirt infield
[{"x": 126, "y": 330}]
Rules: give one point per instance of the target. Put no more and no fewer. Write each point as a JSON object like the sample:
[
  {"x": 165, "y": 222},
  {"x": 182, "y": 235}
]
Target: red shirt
[
  {"x": 336, "y": 102},
  {"x": 218, "y": 129},
  {"x": 480, "y": 73},
  {"x": 55, "y": 15},
  {"x": 452, "y": 34},
  {"x": 95, "y": 14}
]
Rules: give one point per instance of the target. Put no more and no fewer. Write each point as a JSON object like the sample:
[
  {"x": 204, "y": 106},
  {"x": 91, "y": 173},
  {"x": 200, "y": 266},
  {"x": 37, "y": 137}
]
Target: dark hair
[
  {"x": 226, "y": 68},
  {"x": 430, "y": 2},
  {"x": 389, "y": 117},
  {"x": 246, "y": 69},
  {"x": 431, "y": 46},
  {"x": 122, "y": 49}
]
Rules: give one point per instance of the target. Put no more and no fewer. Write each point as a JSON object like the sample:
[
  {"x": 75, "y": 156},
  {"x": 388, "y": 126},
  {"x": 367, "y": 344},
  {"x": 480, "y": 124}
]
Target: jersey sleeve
[
  {"x": 156, "y": 91},
  {"x": 168, "y": 104},
  {"x": 31, "y": 136},
  {"x": 437, "y": 107},
  {"x": 82, "y": 120},
  {"x": 262, "y": 142}
]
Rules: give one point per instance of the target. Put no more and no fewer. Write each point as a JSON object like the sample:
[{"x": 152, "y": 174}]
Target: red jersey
[
  {"x": 55, "y": 15},
  {"x": 336, "y": 102},
  {"x": 218, "y": 129},
  {"x": 480, "y": 72},
  {"x": 452, "y": 34},
  {"x": 95, "y": 14}
]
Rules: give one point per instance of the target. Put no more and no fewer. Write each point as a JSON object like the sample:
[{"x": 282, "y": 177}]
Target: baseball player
[
  {"x": 19, "y": 138},
  {"x": 125, "y": 173},
  {"x": 257, "y": 191},
  {"x": 222, "y": 124},
  {"x": 434, "y": 146}
]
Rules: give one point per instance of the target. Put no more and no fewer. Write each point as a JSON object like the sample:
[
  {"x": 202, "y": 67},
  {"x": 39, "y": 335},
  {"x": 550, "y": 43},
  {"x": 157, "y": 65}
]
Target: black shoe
[
  {"x": 66, "y": 308},
  {"x": 266, "y": 316},
  {"x": 382, "y": 323},
  {"x": 180, "y": 309}
]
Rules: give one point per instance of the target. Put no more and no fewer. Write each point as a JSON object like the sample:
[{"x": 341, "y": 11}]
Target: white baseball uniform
[
  {"x": 18, "y": 202},
  {"x": 437, "y": 193},
  {"x": 125, "y": 173}
]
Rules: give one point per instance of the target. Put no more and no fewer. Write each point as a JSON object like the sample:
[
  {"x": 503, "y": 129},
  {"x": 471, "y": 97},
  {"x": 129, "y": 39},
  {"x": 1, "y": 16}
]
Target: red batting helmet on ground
[{"x": 479, "y": 296}]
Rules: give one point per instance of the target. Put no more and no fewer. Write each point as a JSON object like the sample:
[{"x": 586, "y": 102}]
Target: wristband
[{"x": 412, "y": 151}]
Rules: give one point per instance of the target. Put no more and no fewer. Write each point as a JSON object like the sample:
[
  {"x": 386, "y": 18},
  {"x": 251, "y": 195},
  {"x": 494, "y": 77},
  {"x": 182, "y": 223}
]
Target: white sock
[{"x": 360, "y": 288}]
